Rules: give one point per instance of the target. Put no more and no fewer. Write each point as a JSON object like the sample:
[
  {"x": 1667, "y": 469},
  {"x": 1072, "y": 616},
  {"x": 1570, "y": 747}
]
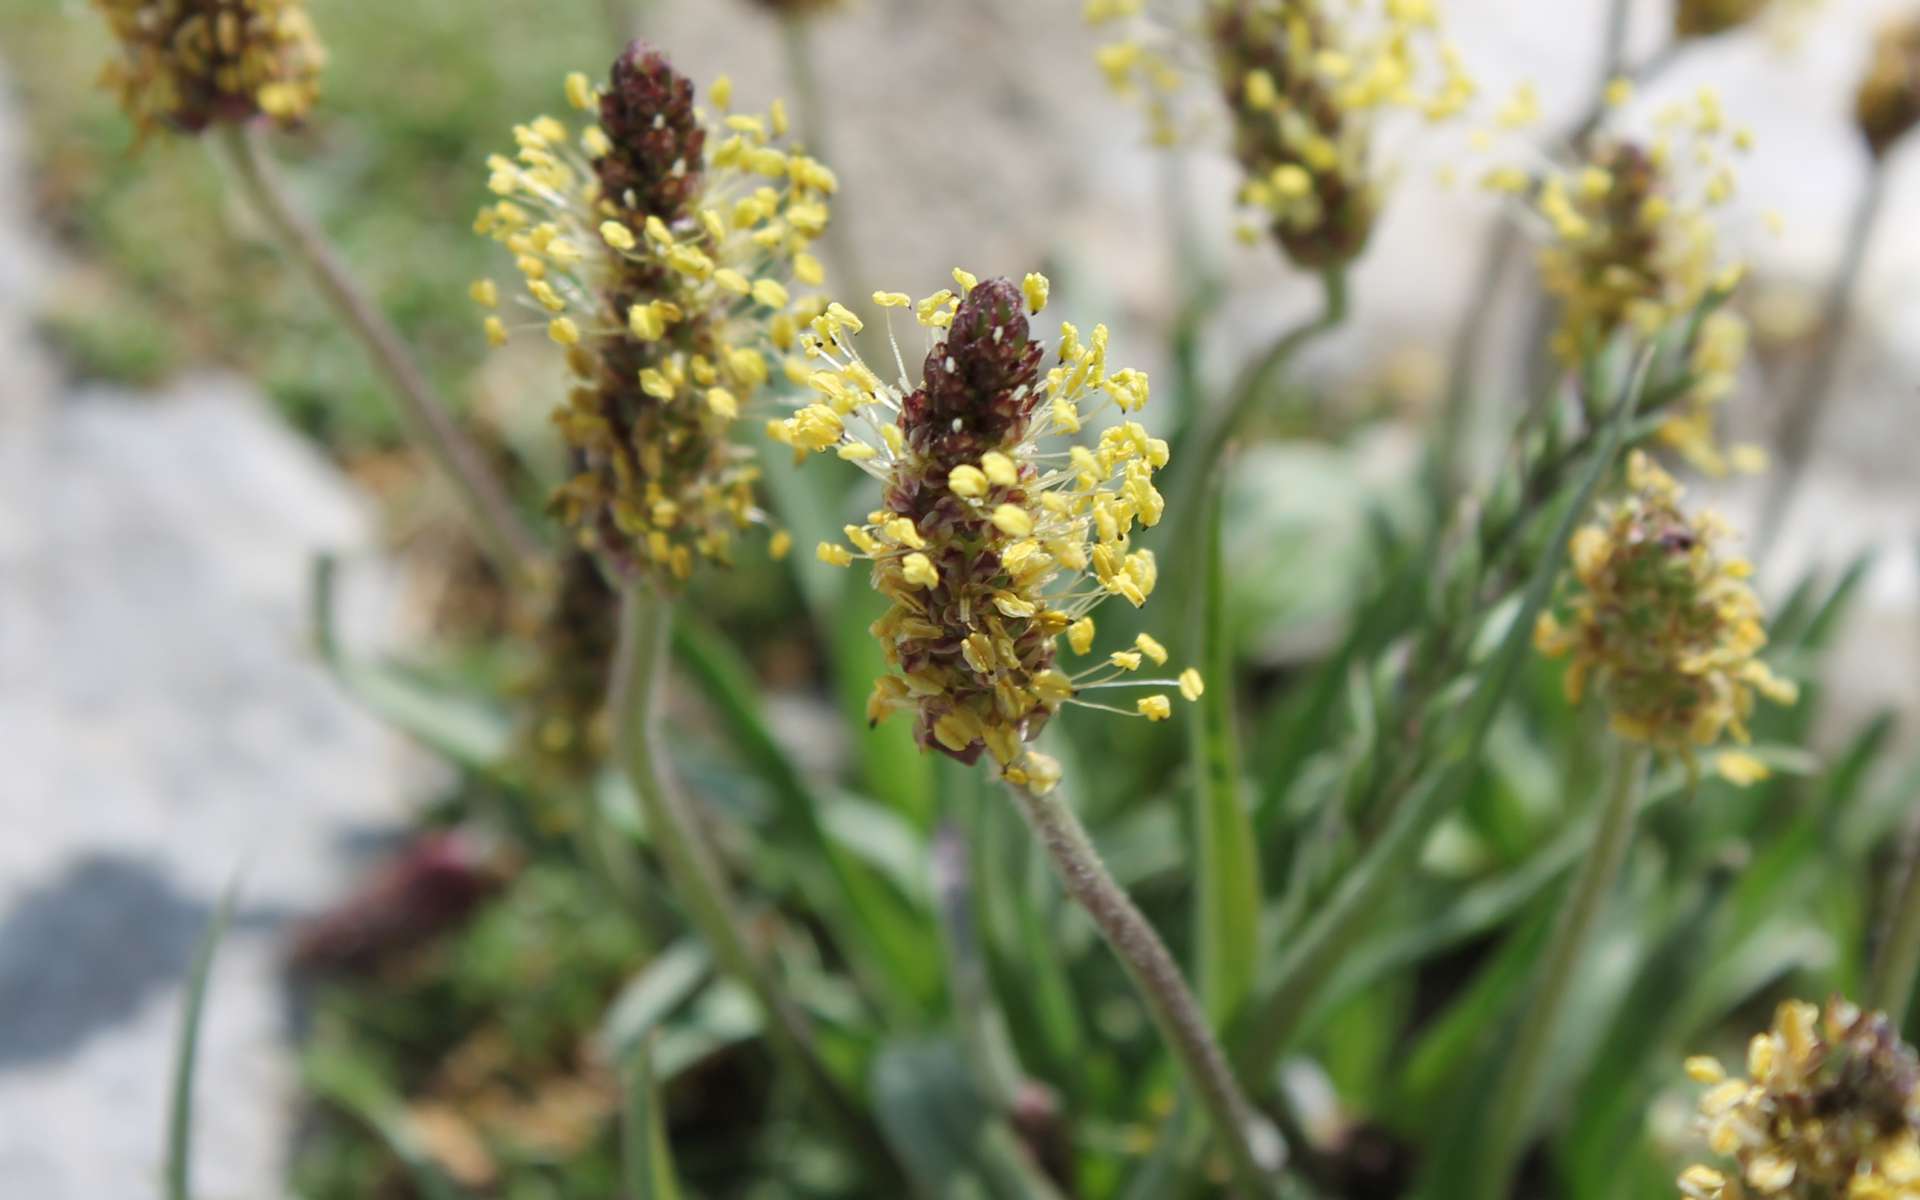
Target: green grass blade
[
  {"x": 892, "y": 939},
  {"x": 1227, "y": 917},
  {"x": 646, "y": 1156},
  {"x": 179, "y": 1160},
  {"x": 356, "y": 1088}
]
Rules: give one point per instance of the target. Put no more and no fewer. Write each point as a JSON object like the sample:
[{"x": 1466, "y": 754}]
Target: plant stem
[
  {"x": 1516, "y": 1095},
  {"x": 1802, "y": 413},
  {"x": 1890, "y": 987},
  {"x": 1446, "y": 480},
  {"x": 1251, "y": 1142},
  {"x": 1257, "y": 379},
  {"x": 507, "y": 540},
  {"x": 639, "y": 669}
]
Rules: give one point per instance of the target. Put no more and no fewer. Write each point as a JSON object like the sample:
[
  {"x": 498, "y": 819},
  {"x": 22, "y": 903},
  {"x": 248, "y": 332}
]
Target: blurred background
[{"x": 183, "y": 432}]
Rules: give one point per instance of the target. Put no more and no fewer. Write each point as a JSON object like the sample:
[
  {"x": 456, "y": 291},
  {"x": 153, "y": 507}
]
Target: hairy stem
[
  {"x": 639, "y": 668},
  {"x": 1802, "y": 411},
  {"x": 1250, "y": 1140},
  {"x": 508, "y": 541},
  {"x": 1516, "y": 1095}
]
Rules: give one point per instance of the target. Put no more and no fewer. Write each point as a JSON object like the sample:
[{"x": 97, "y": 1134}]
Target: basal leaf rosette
[
  {"x": 657, "y": 243},
  {"x": 1003, "y": 522}
]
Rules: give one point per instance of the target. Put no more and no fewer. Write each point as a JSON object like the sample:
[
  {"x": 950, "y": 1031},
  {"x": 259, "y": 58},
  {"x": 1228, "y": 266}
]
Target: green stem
[
  {"x": 1516, "y": 1095},
  {"x": 1802, "y": 413},
  {"x": 1257, "y": 380},
  {"x": 1890, "y": 988},
  {"x": 508, "y": 541},
  {"x": 639, "y": 670},
  {"x": 1251, "y": 1142}
]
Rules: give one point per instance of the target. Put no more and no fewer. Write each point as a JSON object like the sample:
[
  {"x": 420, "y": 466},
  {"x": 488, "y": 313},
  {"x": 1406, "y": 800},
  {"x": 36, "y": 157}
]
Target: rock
[{"x": 165, "y": 732}]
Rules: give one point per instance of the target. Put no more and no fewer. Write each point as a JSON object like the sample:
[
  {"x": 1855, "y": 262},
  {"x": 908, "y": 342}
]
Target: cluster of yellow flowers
[
  {"x": 1666, "y": 628},
  {"x": 1631, "y": 244},
  {"x": 657, "y": 245},
  {"x": 188, "y": 64},
  {"x": 987, "y": 546},
  {"x": 1888, "y": 105},
  {"x": 1302, "y": 87},
  {"x": 1830, "y": 1111}
]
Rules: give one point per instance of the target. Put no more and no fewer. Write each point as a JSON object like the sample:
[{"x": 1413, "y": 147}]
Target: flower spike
[
  {"x": 1663, "y": 626},
  {"x": 988, "y": 545},
  {"x": 658, "y": 246}
]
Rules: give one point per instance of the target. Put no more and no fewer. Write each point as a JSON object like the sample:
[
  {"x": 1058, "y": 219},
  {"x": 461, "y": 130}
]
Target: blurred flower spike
[
  {"x": 1829, "y": 1110},
  {"x": 1630, "y": 245},
  {"x": 801, "y": 8},
  {"x": 988, "y": 546},
  {"x": 1662, "y": 627},
  {"x": 1303, "y": 82},
  {"x": 1888, "y": 104},
  {"x": 657, "y": 245},
  {"x": 188, "y": 64}
]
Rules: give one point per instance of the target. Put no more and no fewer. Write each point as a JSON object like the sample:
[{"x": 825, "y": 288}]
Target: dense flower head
[
  {"x": 656, "y": 244},
  {"x": 1630, "y": 245},
  {"x": 800, "y": 8},
  {"x": 1662, "y": 625},
  {"x": 188, "y": 64},
  {"x": 987, "y": 544},
  {"x": 1705, "y": 18},
  {"x": 1303, "y": 81},
  {"x": 1888, "y": 104},
  {"x": 1829, "y": 1110}
]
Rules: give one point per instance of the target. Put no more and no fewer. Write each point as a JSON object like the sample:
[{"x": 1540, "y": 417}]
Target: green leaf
[
  {"x": 891, "y": 937},
  {"x": 1319, "y": 944},
  {"x": 944, "y": 1131},
  {"x": 1227, "y": 874},
  {"x": 357, "y": 1089},
  {"x": 186, "y": 1052},
  {"x": 647, "y": 999},
  {"x": 646, "y": 1157},
  {"x": 461, "y": 728}
]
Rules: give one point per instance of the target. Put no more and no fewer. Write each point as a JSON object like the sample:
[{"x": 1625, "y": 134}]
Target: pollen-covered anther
[
  {"x": 659, "y": 244},
  {"x": 987, "y": 545}
]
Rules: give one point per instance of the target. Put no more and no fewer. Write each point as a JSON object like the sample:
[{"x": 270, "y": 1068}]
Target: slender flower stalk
[
  {"x": 989, "y": 545},
  {"x": 1250, "y": 1140},
  {"x": 1886, "y": 108},
  {"x": 190, "y": 66},
  {"x": 1516, "y": 1094},
  {"x": 1829, "y": 1110},
  {"x": 639, "y": 670},
  {"x": 512, "y": 546}
]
